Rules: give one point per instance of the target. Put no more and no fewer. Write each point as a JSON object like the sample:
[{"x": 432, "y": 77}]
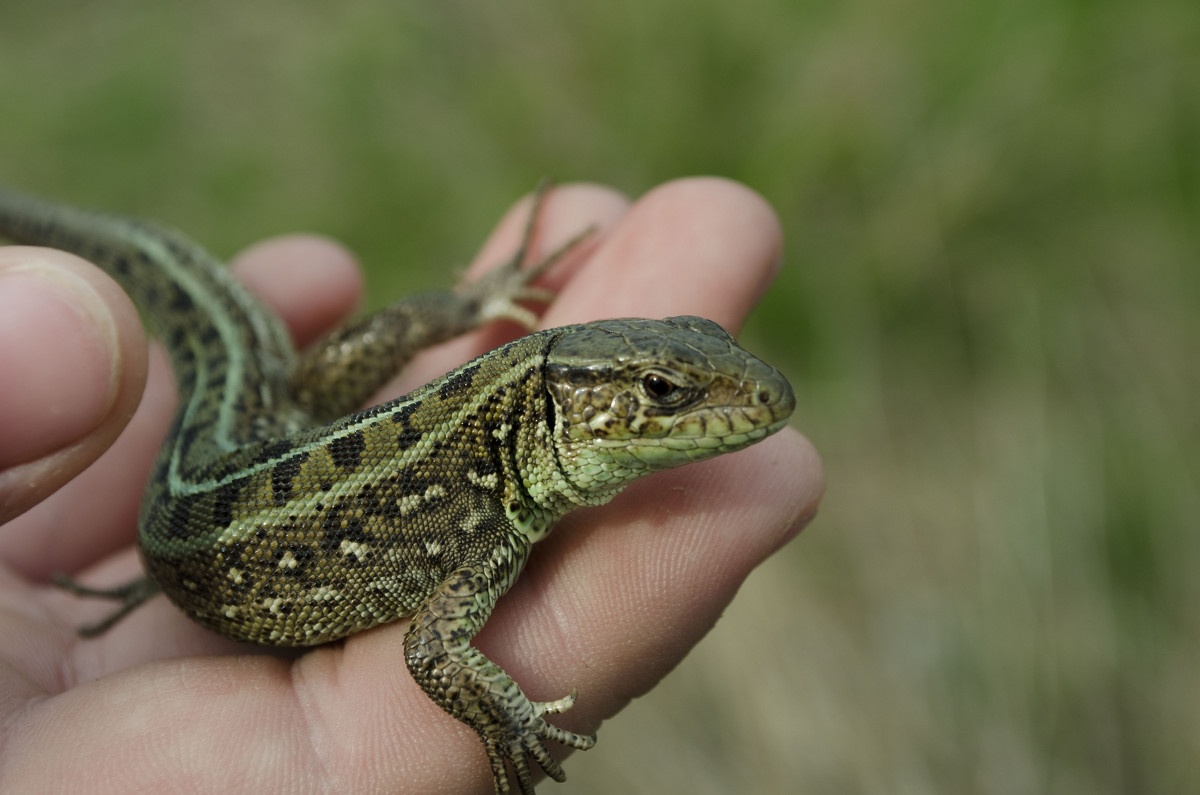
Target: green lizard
[{"x": 278, "y": 514}]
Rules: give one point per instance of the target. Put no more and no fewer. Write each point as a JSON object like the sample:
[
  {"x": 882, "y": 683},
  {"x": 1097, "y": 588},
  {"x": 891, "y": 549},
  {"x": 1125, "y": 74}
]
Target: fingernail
[{"x": 58, "y": 360}]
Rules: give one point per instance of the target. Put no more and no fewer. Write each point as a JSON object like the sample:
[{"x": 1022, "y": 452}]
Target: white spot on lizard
[
  {"x": 354, "y": 548},
  {"x": 489, "y": 481}
]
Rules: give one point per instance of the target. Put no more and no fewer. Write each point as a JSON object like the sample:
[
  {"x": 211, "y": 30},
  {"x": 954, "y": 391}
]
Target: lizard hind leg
[
  {"x": 131, "y": 595},
  {"x": 498, "y": 291}
]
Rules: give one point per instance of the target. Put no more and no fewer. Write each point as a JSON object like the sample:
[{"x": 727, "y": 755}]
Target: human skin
[{"x": 609, "y": 603}]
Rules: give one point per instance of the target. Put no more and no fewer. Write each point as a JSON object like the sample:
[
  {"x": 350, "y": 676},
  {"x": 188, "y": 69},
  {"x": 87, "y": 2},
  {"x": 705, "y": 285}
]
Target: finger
[
  {"x": 72, "y": 365},
  {"x": 702, "y": 246},
  {"x": 614, "y": 599},
  {"x": 568, "y": 210},
  {"x": 170, "y": 722},
  {"x": 262, "y": 718},
  {"x": 310, "y": 281},
  {"x": 95, "y": 515}
]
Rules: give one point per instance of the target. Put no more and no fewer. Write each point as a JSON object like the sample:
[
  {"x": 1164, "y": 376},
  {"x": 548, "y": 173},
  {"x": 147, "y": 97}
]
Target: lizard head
[{"x": 636, "y": 396}]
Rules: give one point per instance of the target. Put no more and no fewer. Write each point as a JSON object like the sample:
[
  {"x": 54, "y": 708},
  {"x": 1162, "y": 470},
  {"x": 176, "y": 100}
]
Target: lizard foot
[
  {"x": 498, "y": 292},
  {"x": 130, "y": 595},
  {"x": 525, "y": 742}
]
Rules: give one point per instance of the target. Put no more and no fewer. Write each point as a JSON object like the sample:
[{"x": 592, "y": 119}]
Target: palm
[{"x": 158, "y": 700}]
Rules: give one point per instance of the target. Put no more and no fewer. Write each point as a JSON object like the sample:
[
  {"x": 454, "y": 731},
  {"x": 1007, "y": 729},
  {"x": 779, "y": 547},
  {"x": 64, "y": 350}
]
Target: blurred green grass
[{"x": 989, "y": 309}]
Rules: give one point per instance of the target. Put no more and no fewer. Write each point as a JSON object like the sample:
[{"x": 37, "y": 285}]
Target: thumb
[{"x": 72, "y": 368}]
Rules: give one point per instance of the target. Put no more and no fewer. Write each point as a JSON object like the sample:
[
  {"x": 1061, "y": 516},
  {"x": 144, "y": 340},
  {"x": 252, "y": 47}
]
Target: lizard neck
[{"x": 540, "y": 490}]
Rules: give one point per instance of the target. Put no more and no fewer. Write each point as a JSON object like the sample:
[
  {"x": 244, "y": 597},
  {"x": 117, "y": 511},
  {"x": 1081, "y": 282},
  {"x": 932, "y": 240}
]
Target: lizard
[{"x": 279, "y": 512}]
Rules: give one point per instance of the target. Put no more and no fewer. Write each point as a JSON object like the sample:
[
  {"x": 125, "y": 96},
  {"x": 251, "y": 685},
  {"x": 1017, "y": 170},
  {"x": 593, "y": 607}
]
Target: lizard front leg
[
  {"x": 472, "y": 688},
  {"x": 340, "y": 373}
]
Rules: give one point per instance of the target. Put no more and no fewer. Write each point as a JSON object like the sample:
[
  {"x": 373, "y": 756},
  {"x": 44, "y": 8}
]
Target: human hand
[{"x": 609, "y": 603}]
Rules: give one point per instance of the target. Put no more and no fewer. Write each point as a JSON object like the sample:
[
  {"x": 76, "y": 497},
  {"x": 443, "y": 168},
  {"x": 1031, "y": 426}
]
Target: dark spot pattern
[
  {"x": 179, "y": 525},
  {"x": 181, "y": 301},
  {"x": 410, "y": 434},
  {"x": 272, "y": 451},
  {"x": 283, "y": 477},
  {"x": 209, "y": 336},
  {"x": 346, "y": 451},
  {"x": 226, "y": 498},
  {"x": 459, "y": 382}
]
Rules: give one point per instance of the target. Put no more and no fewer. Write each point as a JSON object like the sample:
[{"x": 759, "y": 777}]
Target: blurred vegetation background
[{"x": 989, "y": 308}]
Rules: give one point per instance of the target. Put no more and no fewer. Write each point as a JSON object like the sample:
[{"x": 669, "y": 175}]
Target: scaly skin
[{"x": 275, "y": 515}]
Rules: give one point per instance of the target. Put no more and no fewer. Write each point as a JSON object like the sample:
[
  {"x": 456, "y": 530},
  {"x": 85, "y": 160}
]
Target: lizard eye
[{"x": 660, "y": 388}]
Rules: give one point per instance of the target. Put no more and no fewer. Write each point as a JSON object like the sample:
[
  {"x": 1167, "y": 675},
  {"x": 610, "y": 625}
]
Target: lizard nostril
[{"x": 764, "y": 397}]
